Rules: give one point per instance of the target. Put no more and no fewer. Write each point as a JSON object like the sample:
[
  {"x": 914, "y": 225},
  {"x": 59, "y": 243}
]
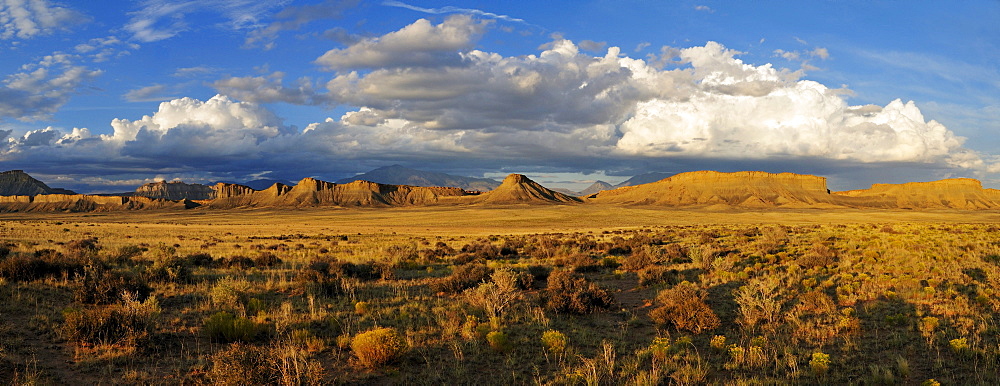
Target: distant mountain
[
  {"x": 597, "y": 187},
  {"x": 19, "y": 183},
  {"x": 566, "y": 191},
  {"x": 644, "y": 179},
  {"x": 264, "y": 183},
  {"x": 399, "y": 175}
]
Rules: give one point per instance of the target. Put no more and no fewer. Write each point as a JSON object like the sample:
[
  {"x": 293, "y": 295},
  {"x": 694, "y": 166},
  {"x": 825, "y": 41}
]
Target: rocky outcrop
[
  {"x": 175, "y": 190},
  {"x": 740, "y": 189},
  {"x": 518, "y": 189},
  {"x": 226, "y": 190},
  {"x": 19, "y": 183}
]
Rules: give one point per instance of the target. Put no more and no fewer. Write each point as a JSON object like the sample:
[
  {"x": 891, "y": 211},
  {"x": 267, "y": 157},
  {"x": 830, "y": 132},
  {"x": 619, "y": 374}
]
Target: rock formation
[
  {"x": 85, "y": 203},
  {"x": 956, "y": 193},
  {"x": 518, "y": 189},
  {"x": 705, "y": 189},
  {"x": 740, "y": 189},
  {"x": 310, "y": 192},
  {"x": 226, "y": 190}
]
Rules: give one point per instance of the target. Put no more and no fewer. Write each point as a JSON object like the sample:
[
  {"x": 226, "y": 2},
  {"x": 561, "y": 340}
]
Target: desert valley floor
[{"x": 516, "y": 294}]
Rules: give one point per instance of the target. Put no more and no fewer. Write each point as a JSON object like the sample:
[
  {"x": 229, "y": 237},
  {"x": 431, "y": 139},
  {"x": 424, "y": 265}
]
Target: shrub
[
  {"x": 361, "y": 308},
  {"x": 243, "y": 364},
  {"x": 340, "y": 269},
  {"x": 199, "y": 260},
  {"x": 128, "y": 323},
  {"x": 315, "y": 282},
  {"x": 481, "y": 249},
  {"x": 230, "y": 292},
  {"x": 376, "y": 347},
  {"x": 959, "y": 345},
  {"x": 684, "y": 306},
  {"x": 820, "y": 255},
  {"x": 83, "y": 250},
  {"x": 238, "y": 262},
  {"x": 760, "y": 303},
  {"x": 658, "y": 274},
  {"x": 554, "y": 341},
  {"x": 103, "y": 287},
  {"x": 498, "y": 341},
  {"x": 126, "y": 253},
  {"x": 168, "y": 270},
  {"x": 539, "y": 272},
  {"x": 819, "y": 363},
  {"x": 462, "y": 278},
  {"x": 39, "y": 265},
  {"x": 638, "y": 260},
  {"x": 267, "y": 259},
  {"x": 571, "y": 293},
  {"x": 225, "y": 327}
]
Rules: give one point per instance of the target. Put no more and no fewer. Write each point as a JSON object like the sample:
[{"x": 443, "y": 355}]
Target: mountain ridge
[
  {"x": 19, "y": 183},
  {"x": 400, "y": 175},
  {"x": 702, "y": 189}
]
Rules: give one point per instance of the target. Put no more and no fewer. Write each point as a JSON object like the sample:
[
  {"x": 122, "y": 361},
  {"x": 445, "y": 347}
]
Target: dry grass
[{"x": 783, "y": 296}]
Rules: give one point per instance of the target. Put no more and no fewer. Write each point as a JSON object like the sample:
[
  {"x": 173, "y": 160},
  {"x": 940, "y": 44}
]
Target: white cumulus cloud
[{"x": 418, "y": 44}]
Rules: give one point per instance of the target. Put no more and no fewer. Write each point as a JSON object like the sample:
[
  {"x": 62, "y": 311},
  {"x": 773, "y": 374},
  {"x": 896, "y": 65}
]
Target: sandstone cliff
[{"x": 226, "y": 190}]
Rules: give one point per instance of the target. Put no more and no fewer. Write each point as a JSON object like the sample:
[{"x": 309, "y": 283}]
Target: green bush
[
  {"x": 498, "y": 341},
  {"x": 226, "y": 327}
]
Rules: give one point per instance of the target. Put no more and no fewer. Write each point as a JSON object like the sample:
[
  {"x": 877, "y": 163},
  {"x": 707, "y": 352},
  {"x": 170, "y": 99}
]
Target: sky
[{"x": 103, "y": 96}]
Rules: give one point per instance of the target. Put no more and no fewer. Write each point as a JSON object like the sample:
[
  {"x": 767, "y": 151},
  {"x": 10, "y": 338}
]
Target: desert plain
[{"x": 515, "y": 294}]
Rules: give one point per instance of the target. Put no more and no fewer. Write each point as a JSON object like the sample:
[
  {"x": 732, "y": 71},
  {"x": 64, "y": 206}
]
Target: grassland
[{"x": 522, "y": 294}]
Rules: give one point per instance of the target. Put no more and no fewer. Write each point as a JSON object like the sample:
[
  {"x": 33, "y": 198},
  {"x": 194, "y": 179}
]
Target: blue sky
[{"x": 106, "y": 95}]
